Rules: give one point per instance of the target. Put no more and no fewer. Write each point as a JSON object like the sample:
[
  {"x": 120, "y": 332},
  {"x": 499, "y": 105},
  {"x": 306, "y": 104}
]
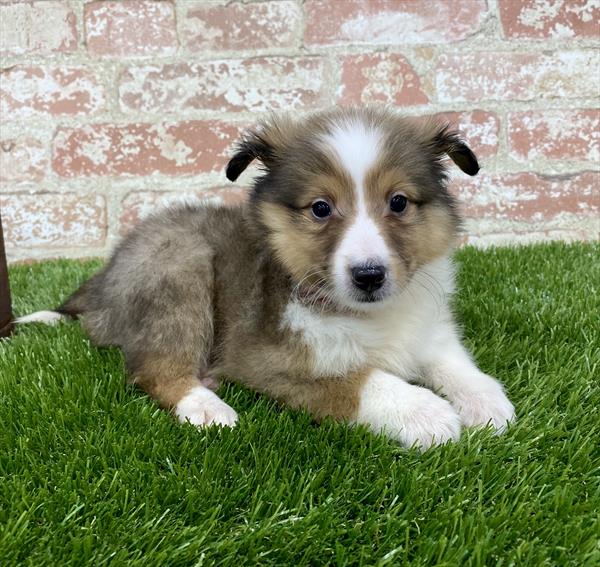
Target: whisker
[
  {"x": 436, "y": 293},
  {"x": 308, "y": 274}
]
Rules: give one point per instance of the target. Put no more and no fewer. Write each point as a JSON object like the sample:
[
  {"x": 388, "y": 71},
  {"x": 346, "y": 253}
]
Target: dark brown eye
[
  {"x": 398, "y": 203},
  {"x": 321, "y": 209}
]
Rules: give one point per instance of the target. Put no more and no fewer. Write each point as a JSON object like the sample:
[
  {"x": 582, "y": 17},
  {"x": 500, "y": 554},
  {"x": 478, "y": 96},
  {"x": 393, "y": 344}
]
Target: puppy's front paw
[
  {"x": 428, "y": 420},
  {"x": 485, "y": 404},
  {"x": 412, "y": 415},
  {"x": 201, "y": 407}
]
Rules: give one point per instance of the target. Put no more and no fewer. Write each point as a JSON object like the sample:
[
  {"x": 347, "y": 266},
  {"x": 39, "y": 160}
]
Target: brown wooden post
[{"x": 5, "y": 307}]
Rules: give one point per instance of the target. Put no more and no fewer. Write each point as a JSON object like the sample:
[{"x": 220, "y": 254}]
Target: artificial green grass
[{"x": 92, "y": 473}]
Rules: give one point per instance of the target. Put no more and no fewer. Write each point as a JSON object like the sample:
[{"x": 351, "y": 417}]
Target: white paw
[
  {"x": 484, "y": 404},
  {"x": 412, "y": 415},
  {"x": 201, "y": 407},
  {"x": 429, "y": 420}
]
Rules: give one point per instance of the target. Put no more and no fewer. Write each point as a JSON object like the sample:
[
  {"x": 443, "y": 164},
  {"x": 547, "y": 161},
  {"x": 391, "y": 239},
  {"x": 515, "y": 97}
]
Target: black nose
[{"x": 368, "y": 278}]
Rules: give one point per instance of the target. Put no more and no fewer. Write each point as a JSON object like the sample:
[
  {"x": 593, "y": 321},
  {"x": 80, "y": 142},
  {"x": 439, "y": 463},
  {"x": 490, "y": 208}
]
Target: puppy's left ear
[
  {"x": 450, "y": 143},
  {"x": 252, "y": 146}
]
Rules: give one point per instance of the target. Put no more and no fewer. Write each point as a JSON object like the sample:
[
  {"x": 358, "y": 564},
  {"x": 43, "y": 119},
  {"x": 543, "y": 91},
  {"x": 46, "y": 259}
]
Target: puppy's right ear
[{"x": 252, "y": 146}]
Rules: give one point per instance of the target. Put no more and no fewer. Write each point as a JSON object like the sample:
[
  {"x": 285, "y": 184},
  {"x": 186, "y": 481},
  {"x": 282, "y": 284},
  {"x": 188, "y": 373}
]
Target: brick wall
[{"x": 110, "y": 108}]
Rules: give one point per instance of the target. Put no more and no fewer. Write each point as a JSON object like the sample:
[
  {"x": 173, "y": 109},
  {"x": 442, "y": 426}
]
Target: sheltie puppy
[{"x": 328, "y": 290}]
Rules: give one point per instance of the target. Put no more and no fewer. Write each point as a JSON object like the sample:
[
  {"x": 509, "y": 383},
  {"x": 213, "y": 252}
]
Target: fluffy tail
[
  {"x": 70, "y": 309},
  {"x": 46, "y": 317}
]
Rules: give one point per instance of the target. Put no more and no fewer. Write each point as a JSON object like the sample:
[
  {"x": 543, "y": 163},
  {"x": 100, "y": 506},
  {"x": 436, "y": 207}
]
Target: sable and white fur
[{"x": 346, "y": 316}]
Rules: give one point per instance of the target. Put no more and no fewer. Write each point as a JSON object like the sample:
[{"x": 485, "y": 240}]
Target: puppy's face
[{"x": 353, "y": 202}]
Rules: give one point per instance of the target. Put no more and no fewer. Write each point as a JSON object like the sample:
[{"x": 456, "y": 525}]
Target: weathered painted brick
[
  {"x": 130, "y": 28},
  {"x": 241, "y": 26},
  {"x": 30, "y": 91},
  {"x": 391, "y": 22},
  {"x": 541, "y": 19},
  {"x": 53, "y": 219},
  {"x": 380, "y": 77},
  {"x": 37, "y": 28},
  {"x": 478, "y": 127},
  {"x": 529, "y": 196},
  {"x": 140, "y": 204},
  {"x": 22, "y": 159},
  {"x": 257, "y": 84},
  {"x": 519, "y": 76},
  {"x": 181, "y": 148},
  {"x": 555, "y": 134}
]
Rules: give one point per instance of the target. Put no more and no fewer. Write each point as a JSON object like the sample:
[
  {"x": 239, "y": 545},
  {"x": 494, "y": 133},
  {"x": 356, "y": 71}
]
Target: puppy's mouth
[
  {"x": 316, "y": 293},
  {"x": 371, "y": 297}
]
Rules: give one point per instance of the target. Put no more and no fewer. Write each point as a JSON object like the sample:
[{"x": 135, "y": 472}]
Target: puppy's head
[{"x": 354, "y": 201}]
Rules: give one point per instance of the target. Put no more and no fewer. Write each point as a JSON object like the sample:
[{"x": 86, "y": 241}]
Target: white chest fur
[{"x": 397, "y": 339}]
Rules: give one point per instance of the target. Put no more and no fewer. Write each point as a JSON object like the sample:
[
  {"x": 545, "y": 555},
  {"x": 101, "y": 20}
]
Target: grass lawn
[{"x": 92, "y": 472}]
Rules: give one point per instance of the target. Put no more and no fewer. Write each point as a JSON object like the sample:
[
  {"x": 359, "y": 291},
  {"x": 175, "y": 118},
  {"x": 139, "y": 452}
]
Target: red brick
[
  {"x": 555, "y": 134},
  {"x": 22, "y": 159},
  {"x": 530, "y": 196},
  {"x": 140, "y": 204},
  {"x": 522, "y": 76},
  {"x": 182, "y": 148},
  {"x": 241, "y": 26},
  {"x": 31, "y": 91},
  {"x": 257, "y": 84},
  {"x": 392, "y": 22},
  {"x": 380, "y": 77},
  {"x": 542, "y": 19},
  {"x": 478, "y": 127},
  {"x": 130, "y": 28},
  {"x": 37, "y": 27},
  {"x": 53, "y": 219}
]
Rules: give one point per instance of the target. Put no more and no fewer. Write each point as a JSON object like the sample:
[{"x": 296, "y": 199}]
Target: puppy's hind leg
[
  {"x": 163, "y": 320},
  {"x": 175, "y": 384},
  {"x": 168, "y": 355}
]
